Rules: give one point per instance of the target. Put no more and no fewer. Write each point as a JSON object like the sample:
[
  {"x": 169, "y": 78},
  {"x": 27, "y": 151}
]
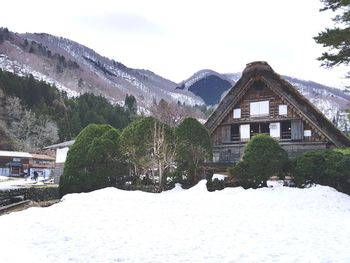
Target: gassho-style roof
[{"x": 261, "y": 70}]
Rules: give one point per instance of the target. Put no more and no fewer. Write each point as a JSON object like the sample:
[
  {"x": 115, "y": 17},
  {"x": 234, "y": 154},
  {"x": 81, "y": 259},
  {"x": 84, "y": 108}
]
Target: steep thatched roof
[{"x": 262, "y": 71}]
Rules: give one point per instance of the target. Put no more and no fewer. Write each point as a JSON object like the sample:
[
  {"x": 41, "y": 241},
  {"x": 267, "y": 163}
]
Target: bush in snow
[
  {"x": 263, "y": 157},
  {"x": 94, "y": 161},
  {"x": 216, "y": 184},
  {"x": 149, "y": 146},
  {"x": 326, "y": 167},
  {"x": 193, "y": 147}
]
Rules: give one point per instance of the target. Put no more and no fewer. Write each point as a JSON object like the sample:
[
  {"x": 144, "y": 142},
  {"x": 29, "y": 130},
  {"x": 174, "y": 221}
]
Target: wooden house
[
  {"x": 262, "y": 102},
  {"x": 18, "y": 163}
]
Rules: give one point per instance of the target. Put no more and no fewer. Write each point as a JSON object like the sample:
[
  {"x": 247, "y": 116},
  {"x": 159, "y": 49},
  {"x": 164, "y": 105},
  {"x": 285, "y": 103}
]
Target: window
[
  {"x": 275, "y": 130},
  {"x": 259, "y": 108},
  {"x": 286, "y": 130},
  {"x": 235, "y": 133},
  {"x": 216, "y": 157},
  {"x": 245, "y": 132},
  {"x": 282, "y": 110},
  {"x": 237, "y": 113},
  {"x": 307, "y": 133}
]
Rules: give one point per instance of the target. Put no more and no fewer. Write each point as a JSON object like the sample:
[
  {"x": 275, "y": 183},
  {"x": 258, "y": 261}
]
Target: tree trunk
[{"x": 160, "y": 174}]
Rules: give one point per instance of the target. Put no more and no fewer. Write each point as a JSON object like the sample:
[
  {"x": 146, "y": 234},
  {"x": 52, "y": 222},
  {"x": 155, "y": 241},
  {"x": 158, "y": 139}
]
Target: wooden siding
[
  {"x": 222, "y": 134},
  {"x": 297, "y": 130}
]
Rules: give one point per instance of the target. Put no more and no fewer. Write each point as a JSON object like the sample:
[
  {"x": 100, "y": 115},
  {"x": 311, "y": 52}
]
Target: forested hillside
[{"x": 34, "y": 114}]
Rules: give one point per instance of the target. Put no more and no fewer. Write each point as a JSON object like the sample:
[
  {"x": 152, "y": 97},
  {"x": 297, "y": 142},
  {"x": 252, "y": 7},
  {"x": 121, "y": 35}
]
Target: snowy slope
[
  {"x": 330, "y": 101},
  {"x": 234, "y": 225},
  {"x": 79, "y": 69},
  {"x": 7, "y": 64},
  {"x": 186, "y": 84}
]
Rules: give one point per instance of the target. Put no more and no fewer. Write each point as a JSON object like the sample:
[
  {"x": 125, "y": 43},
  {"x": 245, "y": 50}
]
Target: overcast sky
[{"x": 177, "y": 38}]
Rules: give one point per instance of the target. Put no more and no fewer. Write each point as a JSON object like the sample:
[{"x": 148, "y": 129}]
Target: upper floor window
[
  {"x": 236, "y": 113},
  {"x": 307, "y": 133},
  {"x": 259, "y": 108},
  {"x": 282, "y": 110}
]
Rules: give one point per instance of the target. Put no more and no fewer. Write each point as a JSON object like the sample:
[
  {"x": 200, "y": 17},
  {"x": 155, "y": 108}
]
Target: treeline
[
  {"x": 147, "y": 152},
  {"x": 42, "y": 101}
]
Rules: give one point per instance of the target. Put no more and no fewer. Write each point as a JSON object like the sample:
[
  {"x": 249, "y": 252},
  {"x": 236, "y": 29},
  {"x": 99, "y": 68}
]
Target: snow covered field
[
  {"x": 11, "y": 182},
  {"x": 277, "y": 224}
]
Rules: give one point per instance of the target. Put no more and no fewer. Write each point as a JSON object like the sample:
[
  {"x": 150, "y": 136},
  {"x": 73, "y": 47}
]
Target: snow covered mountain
[
  {"x": 207, "y": 84},
  {"x": 212, "y": 87},
  {"x": 77, "y": 69}
]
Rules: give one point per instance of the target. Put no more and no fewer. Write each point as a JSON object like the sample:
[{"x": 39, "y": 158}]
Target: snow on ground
[
  {"x": 3, "y": 178},
  {"x": 220, "y": 177},
  {"x": 277, "y": 224},
  {"x": 11, "y": 182}
]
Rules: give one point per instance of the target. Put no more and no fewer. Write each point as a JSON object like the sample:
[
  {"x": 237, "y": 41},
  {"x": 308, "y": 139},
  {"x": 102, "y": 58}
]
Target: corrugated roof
[
  {"x": 60, "y": 145},
  {"x": 15, "y": 154}
]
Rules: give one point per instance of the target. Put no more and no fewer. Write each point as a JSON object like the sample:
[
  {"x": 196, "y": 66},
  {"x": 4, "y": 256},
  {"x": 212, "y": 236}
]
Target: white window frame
[
  {"x": 216, "y": 157},
  {"x": 307, "y": 133},
  {"x": 260, "y": 108},
  {"x": 244, "y": 132},
  {"x": 283, "y": 110},
  {"x": 275, "y": 129},
  {"x": 237, "y": 113}
]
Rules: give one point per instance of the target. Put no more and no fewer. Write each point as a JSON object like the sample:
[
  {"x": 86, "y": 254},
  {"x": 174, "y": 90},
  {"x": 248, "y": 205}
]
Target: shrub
[
  {"x": 94, "y": 161},
  {"x": 344, "y": 150},
  {"x": 326, "y": 167},
  {"x": 216, "y": 184},
  {"x": 263, "y": 157},
  {"x": 193, "y": 147}
]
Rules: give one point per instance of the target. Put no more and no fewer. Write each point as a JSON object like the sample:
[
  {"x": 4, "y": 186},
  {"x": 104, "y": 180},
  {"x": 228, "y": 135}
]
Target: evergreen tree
[
  {"x": 94, "y": 161},
  {"x": 263, "y": 157},
  {"x": 130, "y": 104},
  {"x": 337, "y": 39},
  {"x": 193, "y": 147}
]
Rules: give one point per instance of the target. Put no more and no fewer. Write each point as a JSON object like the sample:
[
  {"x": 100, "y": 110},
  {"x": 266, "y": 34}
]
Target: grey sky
[{"x": 177, "y": 38}]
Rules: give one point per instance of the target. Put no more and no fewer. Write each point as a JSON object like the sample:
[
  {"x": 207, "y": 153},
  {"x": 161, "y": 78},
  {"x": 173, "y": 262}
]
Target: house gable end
[{"x": 281, "y": 93}]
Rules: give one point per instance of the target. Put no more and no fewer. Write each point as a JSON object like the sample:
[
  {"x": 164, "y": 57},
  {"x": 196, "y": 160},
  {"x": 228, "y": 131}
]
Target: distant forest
[{"x": 34, "y": 114}]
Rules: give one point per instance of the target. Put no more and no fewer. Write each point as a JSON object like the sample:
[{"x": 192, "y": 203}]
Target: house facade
[
  {"x": 19, "y": 163},
  {"x": 262, "y": 102},
  {"x": 60, "y": 151}
]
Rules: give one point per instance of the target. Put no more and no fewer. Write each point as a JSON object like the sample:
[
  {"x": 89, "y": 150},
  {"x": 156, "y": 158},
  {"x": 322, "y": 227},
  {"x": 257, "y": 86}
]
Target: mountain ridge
[{"x": 77, "y": 69}]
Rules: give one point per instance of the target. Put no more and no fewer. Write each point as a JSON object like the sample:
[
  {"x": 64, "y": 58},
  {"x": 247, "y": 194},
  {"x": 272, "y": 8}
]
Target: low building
[
  {"x": 262, "y": 102},
  {"x": 60, "y": 151},
  {"x": 24, "y": 163}
]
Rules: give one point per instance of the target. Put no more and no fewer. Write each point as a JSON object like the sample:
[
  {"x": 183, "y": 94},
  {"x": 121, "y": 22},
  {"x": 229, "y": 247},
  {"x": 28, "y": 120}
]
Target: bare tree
[
  {"x": 170, "y": 113},
  {"x": 163, "y": 150},
  {"x": 28, "y": 130}
]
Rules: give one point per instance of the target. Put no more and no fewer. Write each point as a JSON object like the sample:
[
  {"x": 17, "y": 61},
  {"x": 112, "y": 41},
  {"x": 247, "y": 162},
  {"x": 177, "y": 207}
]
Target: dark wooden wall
[{"x": 222, "y": 134}]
